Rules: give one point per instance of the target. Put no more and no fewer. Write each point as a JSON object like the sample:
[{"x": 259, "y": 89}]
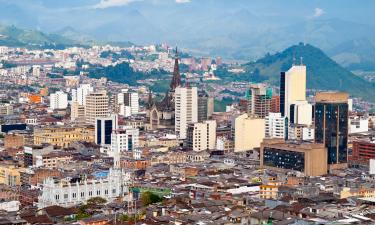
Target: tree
[
  {"x": 148, "y": 198},
  {"x": 96, "y": 201}
]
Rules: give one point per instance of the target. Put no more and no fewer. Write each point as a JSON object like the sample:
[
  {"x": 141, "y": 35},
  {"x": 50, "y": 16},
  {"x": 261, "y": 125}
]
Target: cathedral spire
[
  {"x": 150, "y": 101},
  {"x": 176, "y": 79}
]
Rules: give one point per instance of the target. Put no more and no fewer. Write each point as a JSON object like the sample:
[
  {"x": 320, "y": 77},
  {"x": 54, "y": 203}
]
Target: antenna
[
  {"x": 294, "y": 58},
  {"x": 301, "y": 61}
]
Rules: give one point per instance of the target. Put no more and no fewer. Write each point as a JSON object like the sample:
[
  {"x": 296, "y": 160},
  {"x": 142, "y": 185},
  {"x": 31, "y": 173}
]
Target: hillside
[
  {"x": 17, "y": 37},
  {"x": 322, "y": 72}
]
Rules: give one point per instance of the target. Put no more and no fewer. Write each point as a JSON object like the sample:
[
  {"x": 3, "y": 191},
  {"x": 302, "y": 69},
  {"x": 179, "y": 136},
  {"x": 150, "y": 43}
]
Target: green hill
[{"x": 322, "y": 72}]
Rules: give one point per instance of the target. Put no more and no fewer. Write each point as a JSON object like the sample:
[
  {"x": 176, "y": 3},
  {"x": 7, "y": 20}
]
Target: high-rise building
[
  {"x": 205, "y": 106},
  {"x": 275, "y": 104},
  {"x": 128, "y": 99},
  {"x": 201, "y": 136},
  {"x": 125, "y": 139},
  {"x": 276, "y": 126},
  {"x": 36, "y": 71},
  {"x": 186, "y": 109},
  {"x": 259, "y": 100},
  {"x": 103, "y": 129},
  {"x": 249, "y": 132},
  {"x": 79, "y": 94},
  {"x": 58, "y": 100},
  {"x": 331, "y": 125},
  {"x": 292, "y": 87},
  {"x": 96, "y": 106},
  {"x": 300, "y": 112},
  {"x": 77, "y": 111}
]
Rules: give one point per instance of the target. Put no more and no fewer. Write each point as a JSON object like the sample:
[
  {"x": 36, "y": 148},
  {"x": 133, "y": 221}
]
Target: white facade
[
  {"x": 302, "y": 113},
  {"x": 301, "y": 132},
  {"x": 202, "y": 136},
  {"x": 358, "y": 125},
  {"x": 36, "y": 70},
  {"x": 58, "y": 100},
  {"x": 308, "y": 133},
  {"x": 125, "y": 139},
  {"x": 186, "y": 109},
  {"x": 79, "y": 94},
  {"x": 275, "y": 125},
  {"x": 129, "y": 99},
  {"x": 11, "y": 206},
  {"x": 372, "y": 166},
  {"x": 68, "y": 194},
  {"x": 125, "y": 111},
  {"x": 295, "y": 86}
]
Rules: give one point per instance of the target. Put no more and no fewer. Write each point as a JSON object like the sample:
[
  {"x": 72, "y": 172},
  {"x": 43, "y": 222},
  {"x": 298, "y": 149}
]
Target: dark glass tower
[
  {"x": 282, "y": 93},
  {"x": 331, "y": 125}
]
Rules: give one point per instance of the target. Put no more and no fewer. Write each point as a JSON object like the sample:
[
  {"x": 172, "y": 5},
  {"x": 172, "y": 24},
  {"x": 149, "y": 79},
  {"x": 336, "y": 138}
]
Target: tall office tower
[
  {"x": 300, "y": 112},
  {"x": 201, "y": 136},
  {"x": 249, "y": 132},
  {"x": 292, "y": 87},
  {"x": 259, "y": 100},
  {"x": 275, "y": 104},
  {"x": 276, "y": 126},
  {"x": 103, "y": 129},
  {"x": 130, "y": 99},
  {"x": 125, "y": 139},
  {"x": 205, "y": 106},
  {"x": 331, "y": 124},
  {"x": 79, "y": 94},
  {"x": 58, "y": 100},
  {"x": 96, "y": 106},
  {"x": 186, "y": 109},
  {"x": 77, "y": 112}
]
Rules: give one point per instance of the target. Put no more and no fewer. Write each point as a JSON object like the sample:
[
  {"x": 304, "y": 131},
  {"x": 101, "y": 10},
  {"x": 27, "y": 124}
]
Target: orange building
[
  {"x": 35, "y": 99},
  {"x": 139, "y": 164},
  {"x": 13, "y": 141}
]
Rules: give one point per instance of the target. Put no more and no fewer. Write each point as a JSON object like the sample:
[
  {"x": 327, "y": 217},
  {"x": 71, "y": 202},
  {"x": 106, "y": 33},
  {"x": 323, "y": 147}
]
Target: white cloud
[
  {"x": 182, "y": 1},
  {"x": 112, "y": 3},
  {"x": 318, "y": 12}
]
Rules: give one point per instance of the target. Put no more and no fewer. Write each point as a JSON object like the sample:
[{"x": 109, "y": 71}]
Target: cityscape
[{"x": 123, "y": 127}]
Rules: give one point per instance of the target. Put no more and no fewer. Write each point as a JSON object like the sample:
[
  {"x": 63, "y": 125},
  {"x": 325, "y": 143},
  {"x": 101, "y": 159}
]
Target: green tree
[
  {"x": 96, "y": 201},
  {"x": 148, "y": 198}
]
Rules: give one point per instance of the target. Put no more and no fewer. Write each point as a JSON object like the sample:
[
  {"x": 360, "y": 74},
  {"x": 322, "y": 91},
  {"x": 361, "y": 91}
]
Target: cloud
[
  {"x": 182, "y": 1},
  {"x": 112, "y": 3},
  {"x": 318, "y": 12}
]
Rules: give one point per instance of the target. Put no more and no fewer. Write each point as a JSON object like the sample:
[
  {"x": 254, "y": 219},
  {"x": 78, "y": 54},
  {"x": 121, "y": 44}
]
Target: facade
[
  {"x": 248, "y": 133},
  {"x": 103, "y": 129},
  {"x": 300, "y": 113},
  {"x": 259, "y": 100},
  {"x": 6, "y": 109},
  {"x": 331, "y": 125},
  {"x": 307, "y": 158},
  {"x": 10, "y": 174},
  {"x": 67, "y": 194},
  {"x": 275, "y": 104},
  {"x": 63, "y": 136},
  {"x": 201, "y": 136},
  {"x": 276, "y": 126},
  {"x": 300, "y": 132},
  {"x": 14, "y": 141},
  {"x": 363, "y": 149},
  {"x": 186, "y": 106},
  {"x": 125, "y": 139},
  {"x": 205, "y": 106},
  {"x": 358, "y": 124},
  {"x": 58, "y": 100},
  {"x": 97, "y": 105},
  {"x": 129, "y": 99},
  {"x": 292, "y": 87},
  {"x": 77, "y": 112},
  {"x": 79, "y": 94}
]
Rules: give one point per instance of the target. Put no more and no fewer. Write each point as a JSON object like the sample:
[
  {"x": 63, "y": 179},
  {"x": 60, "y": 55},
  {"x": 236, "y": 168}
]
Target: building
[
  {"x": 63, "y": 136},
  {"x": 201, "y": 136},
  {"x": 331, "y": 125},
  {"x": 125, "y": 139},
  {"x": 300, "y": 132},
  {"x": 358, "y": 124},
  {"x": 6, "y": 109},
  {"x": 69, "y": 193},
  {"x": 205, "y": 106},
  {"x": 276, "y": 126},
  {"x": 363, "y": 149},
  {"x": 186, "y": 109},
  {"x": 10, "y": 174},
  {"x": 275, "y": 104},
  {"x": 32, "y": 154},
  {"x": 103, "y": 129},
  {"x": 97, "y": 105},
  {"x": 307, "y": 158},
  {"x": 129, "y": 99},
  {"x": 77, "y": 112},
  {"x": 162, "y": 114},
  {"x": 292, "y": 87},
  {"x": 248, "y": 132},
  {"x": 13, "y": 141},
  {"x": 58, "y": 100},
  {"x": 79, "y": 94},
  {"x": 259, "y": 100},
  {"x": 300, "y": 112}
]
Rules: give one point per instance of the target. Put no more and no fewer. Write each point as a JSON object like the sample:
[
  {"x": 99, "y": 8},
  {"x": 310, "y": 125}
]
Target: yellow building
[
  {"x": 63, "y": 136},
  {"x": 248, "y": 133},
  {"x": 10, "y": 174},
  {"x": 269, "y": 191}
]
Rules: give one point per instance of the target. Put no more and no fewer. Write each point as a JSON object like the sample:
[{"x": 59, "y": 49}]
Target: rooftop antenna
[
  {"x": 301, "y": 61},
  {"x": 294, "y": 59}
]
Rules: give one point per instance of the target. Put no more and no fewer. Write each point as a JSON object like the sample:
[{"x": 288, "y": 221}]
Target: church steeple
[{"x": 176, "y": 79}]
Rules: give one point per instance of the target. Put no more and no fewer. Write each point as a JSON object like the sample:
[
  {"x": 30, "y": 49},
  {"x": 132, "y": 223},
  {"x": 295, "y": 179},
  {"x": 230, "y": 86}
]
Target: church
[{"x": 161, "y": 115}]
